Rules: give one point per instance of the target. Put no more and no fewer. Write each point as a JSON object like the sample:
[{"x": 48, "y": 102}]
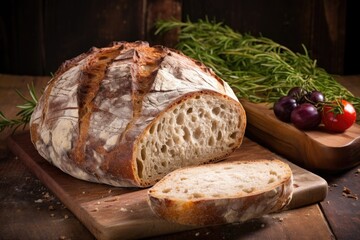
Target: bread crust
[
  {"x": 97, "y": 105},
  {"x": 222, "y": 210}
]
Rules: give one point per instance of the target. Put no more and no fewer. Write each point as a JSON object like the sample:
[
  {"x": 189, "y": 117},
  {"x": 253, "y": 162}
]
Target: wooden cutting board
[
  {"x": 315, "y": 150},
  {"x": 112, "y": 212}
]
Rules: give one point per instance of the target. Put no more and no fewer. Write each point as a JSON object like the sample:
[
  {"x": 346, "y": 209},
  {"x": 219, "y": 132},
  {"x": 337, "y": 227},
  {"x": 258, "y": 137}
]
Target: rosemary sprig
[
  {"x": 24, "y": 115},
  {"x": 257, "y": 68}
]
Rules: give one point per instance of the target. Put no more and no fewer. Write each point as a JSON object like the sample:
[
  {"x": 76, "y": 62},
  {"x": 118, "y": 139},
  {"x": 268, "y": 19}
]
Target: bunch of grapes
[
  {"x": 307, "y": 109},
  {"x": 300, "y": 107}
]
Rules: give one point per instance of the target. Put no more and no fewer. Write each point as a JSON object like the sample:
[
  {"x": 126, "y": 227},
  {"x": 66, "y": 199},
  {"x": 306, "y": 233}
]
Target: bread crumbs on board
[{"x": 347, "y": 193}]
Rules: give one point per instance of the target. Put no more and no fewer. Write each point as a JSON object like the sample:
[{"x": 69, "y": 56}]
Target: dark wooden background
[{"x": 36, "y": 36}]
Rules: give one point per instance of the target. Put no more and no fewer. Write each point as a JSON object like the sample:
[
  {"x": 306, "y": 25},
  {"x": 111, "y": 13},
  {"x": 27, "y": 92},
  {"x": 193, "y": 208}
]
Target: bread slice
[{"x": 221, "y": 193}]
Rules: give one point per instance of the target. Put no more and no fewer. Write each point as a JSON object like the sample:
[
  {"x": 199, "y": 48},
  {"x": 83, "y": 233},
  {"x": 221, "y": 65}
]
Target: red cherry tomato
[{"x": 338, "y": 117}]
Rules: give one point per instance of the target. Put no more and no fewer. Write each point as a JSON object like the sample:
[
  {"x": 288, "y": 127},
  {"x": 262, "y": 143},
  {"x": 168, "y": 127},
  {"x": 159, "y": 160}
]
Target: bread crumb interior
[
  {"x": 222, "y": 180},
  {"x": 198, "y": 130}
]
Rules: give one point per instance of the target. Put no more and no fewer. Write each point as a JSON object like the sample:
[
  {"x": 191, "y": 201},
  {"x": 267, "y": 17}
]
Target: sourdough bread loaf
[
  {"x": 128, "y": 114},
  {"x": 221, "y": 193}
]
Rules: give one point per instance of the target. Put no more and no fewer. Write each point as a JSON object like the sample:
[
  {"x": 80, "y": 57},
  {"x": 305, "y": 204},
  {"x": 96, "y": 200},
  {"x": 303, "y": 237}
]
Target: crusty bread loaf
[
  {"x": 128, "y": 114},
  {"x": 221, "y": 193}
]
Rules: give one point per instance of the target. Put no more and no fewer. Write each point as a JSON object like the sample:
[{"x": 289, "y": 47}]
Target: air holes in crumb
[
  {"x": 172, "y": 152},
  {"x": 143, "y": 154},
  {"x": 163, "y": 148},
  {"x": 197, "y": 133},
  {"x": 159, "y": 127},
  {"x": 166, "y": 190},
  {"x": 175, "y": 111},
  {"x": 214, "y": 125},
  {"x": 211, "y": 141},
  {"x": 216, "y": 110},
  {"x": 222, "y": 106},
  {"x": 193, "y": 118},
  {"x": 227, "y": 168},
  {"x": 186, "y": 134},
  {"x": 180, "y": 119},
  {"x": 169, "y": 143},
  {"x": 197, "y": 97},
  {"x": 176, "y": 140},
  {"x": 197, "y": 152},
  {"x": 197, "y": 195},
  {"x": 233, "y": 135},
  {"x": 201, "y": 112},
  {"x": 140, "y": 167},
  {"x": 271, "y": 180},
  {"x": 216, "y": 195},
  {"x": 219, "y": 136},
  {"x": 189, "y": 111},
  {"x": 152, "y": 129},
  {"x": 273, "y": 172},
  {"x": 183, "y": 179},
  {"x": 248, "y": 190}
]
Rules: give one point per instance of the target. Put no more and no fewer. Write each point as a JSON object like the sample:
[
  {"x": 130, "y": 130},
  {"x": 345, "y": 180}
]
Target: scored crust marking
[
  {"x": 147, "y": 61},
  {"x": 92, "y": 73},
  {"x": 62, "y": 69}
]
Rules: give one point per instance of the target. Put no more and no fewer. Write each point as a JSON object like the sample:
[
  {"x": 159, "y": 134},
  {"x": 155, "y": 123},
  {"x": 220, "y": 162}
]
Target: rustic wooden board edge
[
  {"x": 142, "y": 218},
  {"x": 105, "y": 230},
  {"x": 313, "y": 150}
]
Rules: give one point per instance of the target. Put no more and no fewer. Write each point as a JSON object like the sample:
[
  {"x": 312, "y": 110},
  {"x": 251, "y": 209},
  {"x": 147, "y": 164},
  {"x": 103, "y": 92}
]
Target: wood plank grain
[
  {"x": 23, "y": 217},
  {"x": 343, "y": 210},
  {"x": 109, "y": 212},
  {"x": 29, "y": 210},
  {"x": 305, "y": 223}
]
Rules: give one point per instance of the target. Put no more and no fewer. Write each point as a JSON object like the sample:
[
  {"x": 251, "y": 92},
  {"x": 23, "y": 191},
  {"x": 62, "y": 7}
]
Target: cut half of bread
[{"x": 221, "y": 193}]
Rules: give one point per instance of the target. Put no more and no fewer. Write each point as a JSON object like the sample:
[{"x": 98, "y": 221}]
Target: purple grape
[
  {"x": 305, "y": 116},
  {"x": 297, "y": 93},
  {"x": 283, "y": 108},
  {"x": 315, "y": 97}
]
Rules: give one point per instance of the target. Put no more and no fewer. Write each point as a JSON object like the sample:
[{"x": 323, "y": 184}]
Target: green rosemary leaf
[
  {"x": 24, "y": 115},
  {"x": 7, "y": 123},
  {"x": 257, "y": 68},
  {"x": 32, "y": 93}
]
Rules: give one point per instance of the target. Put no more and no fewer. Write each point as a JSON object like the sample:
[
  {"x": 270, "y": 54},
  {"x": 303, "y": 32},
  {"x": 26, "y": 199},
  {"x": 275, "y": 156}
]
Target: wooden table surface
[{"x": 29, "y": 210}]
